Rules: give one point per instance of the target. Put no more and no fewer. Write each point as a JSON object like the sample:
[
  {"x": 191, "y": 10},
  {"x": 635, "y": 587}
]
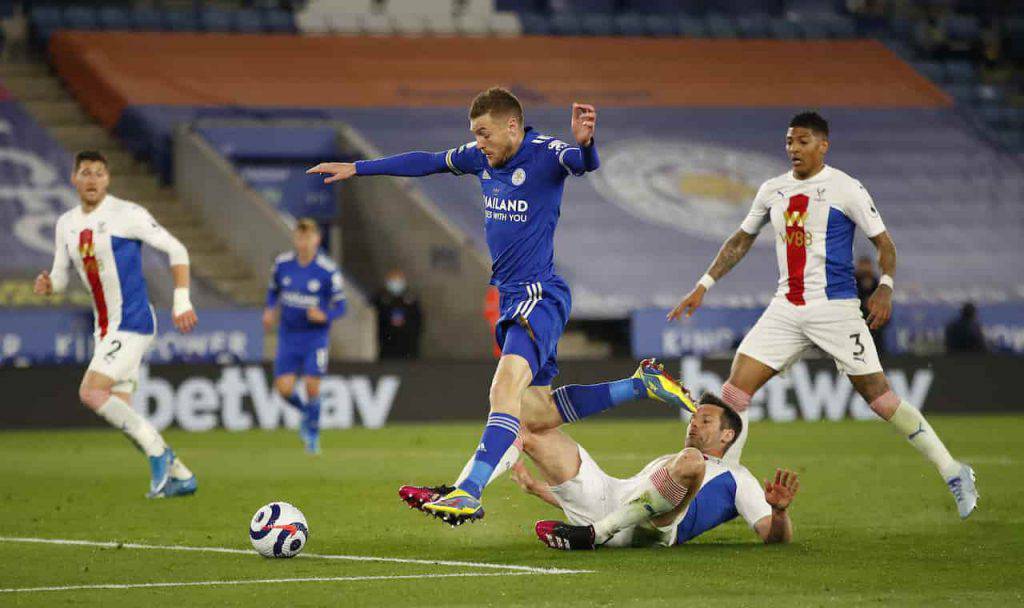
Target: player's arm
[
  {"x": 778, "y": 493},
  {"x": 862, "y": 210},
  {"x": 147, "y": 230},
  {"x": 732, "y": 251},
  {"x": 55, "y": 281},
  {"x": 410, "y": 164},
  {"x": 530, "y": 485},
  {"x": 581, "y": 158},
  {"x": 332, "y": 301}
]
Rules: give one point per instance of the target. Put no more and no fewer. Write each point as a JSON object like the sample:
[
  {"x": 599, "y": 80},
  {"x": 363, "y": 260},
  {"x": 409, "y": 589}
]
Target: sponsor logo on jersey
[
  {"x": 485, "y": 175},
  {"x": 518, "y": 177},
  {"x": 691, "y": 187},
  {"x": 286, "y": 281},
  {"x": 795, "y": 218}
]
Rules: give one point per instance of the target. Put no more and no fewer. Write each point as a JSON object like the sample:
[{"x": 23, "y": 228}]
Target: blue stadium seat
[
  {"x": 180, "y": 21},
  {"x": 212, "y": 19},
  {"x": 566, "y": 24},
  {"x": 932, "y": 70},
  {"x": 962, "y": 28},
  {"x": 721, "y": 26},
  {"x": 147, "y": 19},
  {"x": 661, "y": 26},
  {"x": 80, "y": 18},
  {"x": 279, "y": 21},
  {"x": 962, "y": 93},
  {"x": 520, "y": 6},
  {"x": 249, "y": 21},
  {"x": 664, "y": 7},
  {"x": 42, "y": 22},
  {"x": 597, "y": 24},
  {"x": 582, "y": 6},
  {"x": 1013, "y": 39},
  {"x": 535, "y": 24},
  {"x": 114, "y": 18},
  {"x": 841, "y": 26},
  {"x": 629, "y": 24},
  {"x": 692, "y": 27},
  {"x": 961, "y": 72},
  {"x": 784, "y": 29},
  {"x": 754, "y": 25}
]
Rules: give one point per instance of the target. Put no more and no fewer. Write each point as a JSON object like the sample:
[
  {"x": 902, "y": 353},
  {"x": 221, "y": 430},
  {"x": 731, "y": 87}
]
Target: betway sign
[
  {"x": 243, "y": 398},
  {"x": 819, "y": 395}
]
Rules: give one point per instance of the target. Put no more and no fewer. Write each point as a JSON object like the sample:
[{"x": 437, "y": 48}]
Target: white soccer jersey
[
  {"x": 105, "y": 247},
  {"x": 813, "y": 221}
]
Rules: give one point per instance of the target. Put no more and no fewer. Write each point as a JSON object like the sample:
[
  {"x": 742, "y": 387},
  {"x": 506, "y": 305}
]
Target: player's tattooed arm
[
  {"x": 729, "y": 255},
  {"x": 880, "y": 302}
]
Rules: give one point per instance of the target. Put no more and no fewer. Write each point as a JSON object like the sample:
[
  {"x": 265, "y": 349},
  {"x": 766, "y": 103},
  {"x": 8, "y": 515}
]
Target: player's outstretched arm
[
  {"x": 732, "y": 251},
  {"x": 409, "y": 164},
  {"x": 778, "y": 493},
  {"x": 527, "y": 483},
  {"x": 880, "y": 302}
]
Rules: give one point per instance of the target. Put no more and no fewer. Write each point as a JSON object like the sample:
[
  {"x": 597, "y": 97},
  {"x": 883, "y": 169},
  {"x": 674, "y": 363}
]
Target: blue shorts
[
  {"x": 533, "y": 318},
  {"x": 300, "y": 357}
]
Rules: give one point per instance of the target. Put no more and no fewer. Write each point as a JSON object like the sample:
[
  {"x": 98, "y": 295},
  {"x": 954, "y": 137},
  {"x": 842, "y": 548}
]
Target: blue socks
[
  {"x": 500, "y": 432},
  {"x": 312, "y": 413},
  {"x": 578, "y": 401},
  {"x": 295, "y": 401}
]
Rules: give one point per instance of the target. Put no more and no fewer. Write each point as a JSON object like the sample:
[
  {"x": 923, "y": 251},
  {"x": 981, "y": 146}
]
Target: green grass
[{"x": 874, "y": 524}]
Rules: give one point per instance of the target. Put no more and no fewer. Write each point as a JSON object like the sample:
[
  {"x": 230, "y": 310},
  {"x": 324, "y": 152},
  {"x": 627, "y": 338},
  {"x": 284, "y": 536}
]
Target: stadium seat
[
  {"x": 472, "y": 24},
  {"x": 664, "y": 7},
  {"x": 691, "y": 27},
  {"x": 505, "y": 24},
  {"x": 837, "y": 26},
  {"x": 535, "y": 24},
  {"x": 278, "y": 21},
  {"x": 566, "y": 24},
  {"x": 962, "y": 93},
  {"x": 960, "y": 71},
  {"x": 754, "y": 25},
  {"x": 80, "y": 18},
  {"x": 315, "y": 24},
  {"x": 961, "y": 29},
  {"x": 597, "y": 24},
  {"x": 441, "y": 24},
  {"x": 932, "y": 70},
  {"x": 784, "y": 29},
  {"x": 409, "y": 24},
  {"x": 484, "y": 8},
  {"x": 377, "y": 24},
  {"x": 1013, "y": 39},
  {"x": 629, "y": 24},
  {"x": 146, "y": 19},
  {"x": 114, "y": 18},
  {"x": 520, "y": 6},
  {"x": 419, "y": 7},
  {"x": 212, "y": 19},
  {"x": 721, "y": 26},
  {"x": 249, "y": 21},
  {"x": 43, "y": 21},
  {"x": 180, "y": 21}
]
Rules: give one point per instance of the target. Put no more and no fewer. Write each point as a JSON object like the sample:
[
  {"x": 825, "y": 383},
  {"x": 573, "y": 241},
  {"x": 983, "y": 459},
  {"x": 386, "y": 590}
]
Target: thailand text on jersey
[
  {"x": 298, "y": 288},
  {"x": 521, "y": 199},
  {"x": 105, "y": 247},
  {"x": 813, "y": 222}
]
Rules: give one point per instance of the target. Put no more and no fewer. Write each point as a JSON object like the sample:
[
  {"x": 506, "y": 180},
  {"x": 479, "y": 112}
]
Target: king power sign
[{"x": 801, "y": 393}]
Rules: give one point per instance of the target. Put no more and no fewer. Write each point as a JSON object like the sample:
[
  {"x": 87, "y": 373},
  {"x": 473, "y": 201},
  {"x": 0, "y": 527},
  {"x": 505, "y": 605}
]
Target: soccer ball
[{"x": 278, "y": 529}]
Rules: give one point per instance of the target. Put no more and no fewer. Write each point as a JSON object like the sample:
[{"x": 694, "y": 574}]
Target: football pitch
[{"x": 874, "y": 525}]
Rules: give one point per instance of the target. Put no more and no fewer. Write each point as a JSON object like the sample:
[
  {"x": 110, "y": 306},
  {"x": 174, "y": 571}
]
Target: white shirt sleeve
[
  {"x": 750, "y": 502},
  {"x": 861, "y": 209},
  {"x": 758, "y": 215},
  {"x": 143, "y": 226},
  {"x": 61, "y": 261}
]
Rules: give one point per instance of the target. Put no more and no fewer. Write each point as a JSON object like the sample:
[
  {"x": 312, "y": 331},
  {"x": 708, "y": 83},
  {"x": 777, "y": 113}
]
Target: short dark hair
[
  {"x": 730, "y": 419},
  {"x": 498, "y": 101},
  {"x": 307, "y": 224},
  {"x": 90, "y": 155},
  {"x": 810, "y": 120}
]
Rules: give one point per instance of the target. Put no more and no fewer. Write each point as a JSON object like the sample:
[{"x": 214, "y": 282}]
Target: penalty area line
[
  {"x": 355, "y": 558},
  {"x": 259, "y": 581}
]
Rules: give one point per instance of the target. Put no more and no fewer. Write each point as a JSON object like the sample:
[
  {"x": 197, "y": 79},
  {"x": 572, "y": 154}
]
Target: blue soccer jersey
[{"x": 298, "y": 288}]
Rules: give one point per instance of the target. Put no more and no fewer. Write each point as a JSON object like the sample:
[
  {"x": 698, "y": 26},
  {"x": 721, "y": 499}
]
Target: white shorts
[
  {"x": 119, "y": 356},
  {"x": 593, "y": 494},
  {"x": 837, "y": 327}
]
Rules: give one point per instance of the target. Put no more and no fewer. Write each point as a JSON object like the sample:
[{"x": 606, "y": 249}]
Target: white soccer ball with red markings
[{"x": 278, "y": 529}]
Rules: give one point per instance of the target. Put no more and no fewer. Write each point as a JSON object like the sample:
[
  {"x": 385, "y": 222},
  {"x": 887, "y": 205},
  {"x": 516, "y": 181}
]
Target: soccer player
[
  {"x": 308, "y": 287},
  {"x": 814, "y": 210},
  {"x": 522, "y": 174},
  {"x": 674, "y": 499},
  {"x": 102, "y": 238}
]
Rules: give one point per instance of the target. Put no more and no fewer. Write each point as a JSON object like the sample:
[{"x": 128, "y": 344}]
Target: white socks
[
  {"x": 736, "y": 449},
  {"x": 656, "y": 495},
  {"x": 912, "y": 425},
  {"x": 509, "y": 458},
  {"x": 121, "y": 416}
]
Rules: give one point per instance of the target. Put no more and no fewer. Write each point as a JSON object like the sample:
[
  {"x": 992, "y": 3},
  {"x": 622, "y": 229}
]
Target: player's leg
[
  {"x": 284, "y": 384},
  {"x": 839, "y": 329},
  {"x": 314, "y": 366}
]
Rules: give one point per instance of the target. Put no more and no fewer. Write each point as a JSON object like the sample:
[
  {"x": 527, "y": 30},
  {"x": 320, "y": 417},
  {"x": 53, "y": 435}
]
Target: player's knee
[
  {"x": 93, "y": 398},
  {"x": 505, "y": 396},
  {"x": 687, "y": 466},
  {"x": 284, "y": 386}
]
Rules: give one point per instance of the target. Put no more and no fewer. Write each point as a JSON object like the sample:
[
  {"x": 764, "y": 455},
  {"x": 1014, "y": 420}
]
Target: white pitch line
[
  {"x": 355, "y": 558},
  {"x": 311, "y": 579}
]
